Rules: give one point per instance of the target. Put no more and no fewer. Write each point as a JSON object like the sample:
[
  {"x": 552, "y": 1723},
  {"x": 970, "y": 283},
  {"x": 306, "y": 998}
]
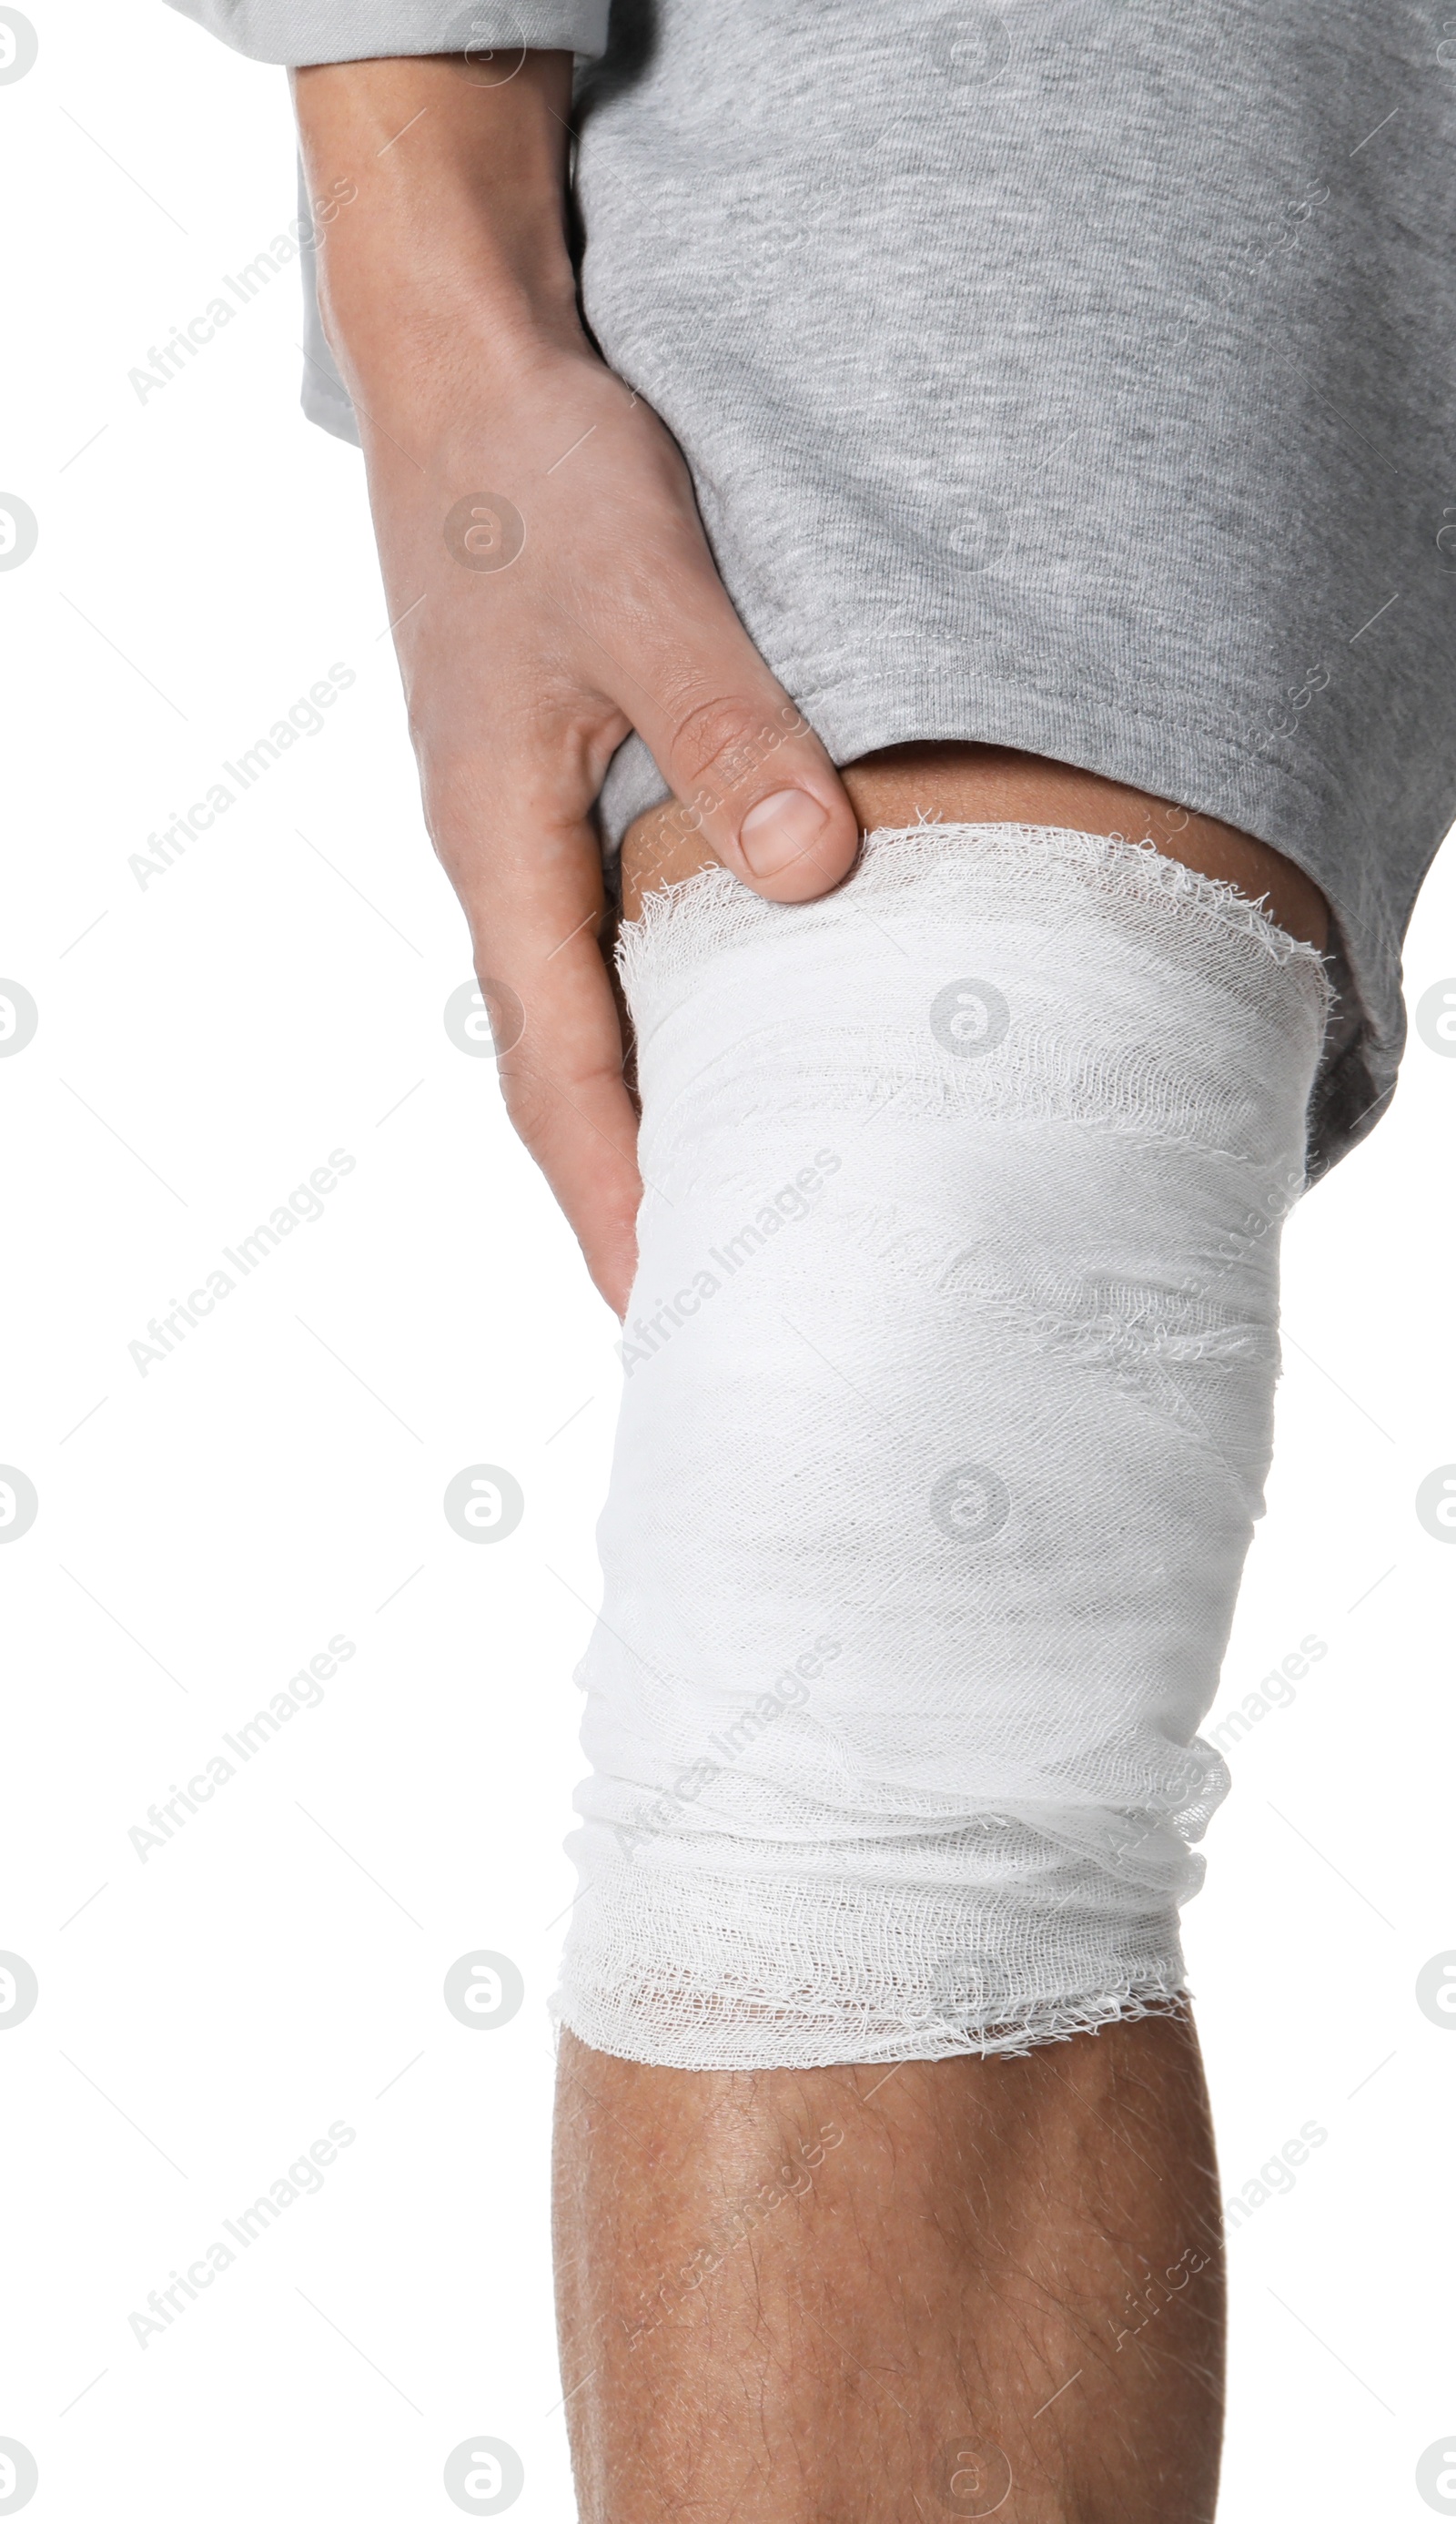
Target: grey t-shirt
[{"x": 1073, "y": 374}]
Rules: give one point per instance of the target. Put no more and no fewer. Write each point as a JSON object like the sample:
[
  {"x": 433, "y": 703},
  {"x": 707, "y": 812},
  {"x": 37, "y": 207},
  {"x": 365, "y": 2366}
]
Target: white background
[{"x": 204, "y": 1041}]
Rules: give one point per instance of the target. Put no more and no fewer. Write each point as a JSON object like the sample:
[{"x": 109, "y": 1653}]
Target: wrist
[
  {"x": 451, "y": 333},
  {"x": 439, "y": 225}
]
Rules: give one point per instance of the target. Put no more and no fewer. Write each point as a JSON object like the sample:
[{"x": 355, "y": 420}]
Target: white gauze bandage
[{"x": 949, "y": 1381}]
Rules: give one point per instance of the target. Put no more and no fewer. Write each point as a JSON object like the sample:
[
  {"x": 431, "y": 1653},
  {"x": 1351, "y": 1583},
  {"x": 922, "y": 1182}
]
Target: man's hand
[{"x": 549, "y": 583}]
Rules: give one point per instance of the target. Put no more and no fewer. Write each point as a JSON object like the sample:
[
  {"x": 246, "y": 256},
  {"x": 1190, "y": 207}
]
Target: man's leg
[
  {"x": 852, "y": 2296},
  {"x": 967, "y": 2286}
]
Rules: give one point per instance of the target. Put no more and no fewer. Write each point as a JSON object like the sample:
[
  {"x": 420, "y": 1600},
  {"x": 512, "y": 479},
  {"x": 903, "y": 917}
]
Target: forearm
[{"x": 442, "y": 231}]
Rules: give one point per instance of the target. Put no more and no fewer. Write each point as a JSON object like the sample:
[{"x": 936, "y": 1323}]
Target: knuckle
[
  {"x": 547, "y": 1101},
  {"x": 722, "y": 744},
  {"x": 528, "y": 1102}
]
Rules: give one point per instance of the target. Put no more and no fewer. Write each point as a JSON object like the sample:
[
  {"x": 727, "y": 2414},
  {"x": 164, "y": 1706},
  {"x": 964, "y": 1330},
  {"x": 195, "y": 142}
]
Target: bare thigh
[{"x": 989, "y": 784}]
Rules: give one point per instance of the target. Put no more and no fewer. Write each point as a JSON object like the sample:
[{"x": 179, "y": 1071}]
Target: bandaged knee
[{"x": 950, "y": 1377}]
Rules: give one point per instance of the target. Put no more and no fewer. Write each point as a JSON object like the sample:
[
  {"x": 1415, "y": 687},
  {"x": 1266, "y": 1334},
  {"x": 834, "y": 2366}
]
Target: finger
[
  {"x": 564, "y": 1091},
  {"x": 528, "y": 871},
  {"x": 748, "y": 771}
]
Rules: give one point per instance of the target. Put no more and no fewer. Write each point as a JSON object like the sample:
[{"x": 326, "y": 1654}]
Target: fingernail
[{"x": 779, "y": 830}]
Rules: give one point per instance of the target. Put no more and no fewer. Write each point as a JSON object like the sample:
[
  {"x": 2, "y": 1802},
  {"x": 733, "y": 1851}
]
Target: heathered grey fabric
[
  {"x": 1076, "y": 374},
  {"x": 357, "y": 30}
]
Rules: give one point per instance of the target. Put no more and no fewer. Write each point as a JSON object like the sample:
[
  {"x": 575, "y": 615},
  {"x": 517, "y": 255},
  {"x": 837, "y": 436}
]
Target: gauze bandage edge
[{"x": 886, "y": 1846}]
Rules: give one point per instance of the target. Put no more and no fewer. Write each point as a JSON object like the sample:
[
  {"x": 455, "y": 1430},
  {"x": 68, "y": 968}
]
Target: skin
[
  {"x": 991, "y": 784},
  {"x": 785, "y": 2296},
  {"x": 801, "y": 2297}
]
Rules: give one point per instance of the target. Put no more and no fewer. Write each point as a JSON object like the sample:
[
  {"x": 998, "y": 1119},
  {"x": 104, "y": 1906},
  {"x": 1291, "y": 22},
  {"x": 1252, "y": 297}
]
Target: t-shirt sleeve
[{"x": 298, "y": 32}]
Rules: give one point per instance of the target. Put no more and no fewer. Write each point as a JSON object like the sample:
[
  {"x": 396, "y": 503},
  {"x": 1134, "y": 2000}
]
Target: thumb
[{"x": 748, "y": 771}]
